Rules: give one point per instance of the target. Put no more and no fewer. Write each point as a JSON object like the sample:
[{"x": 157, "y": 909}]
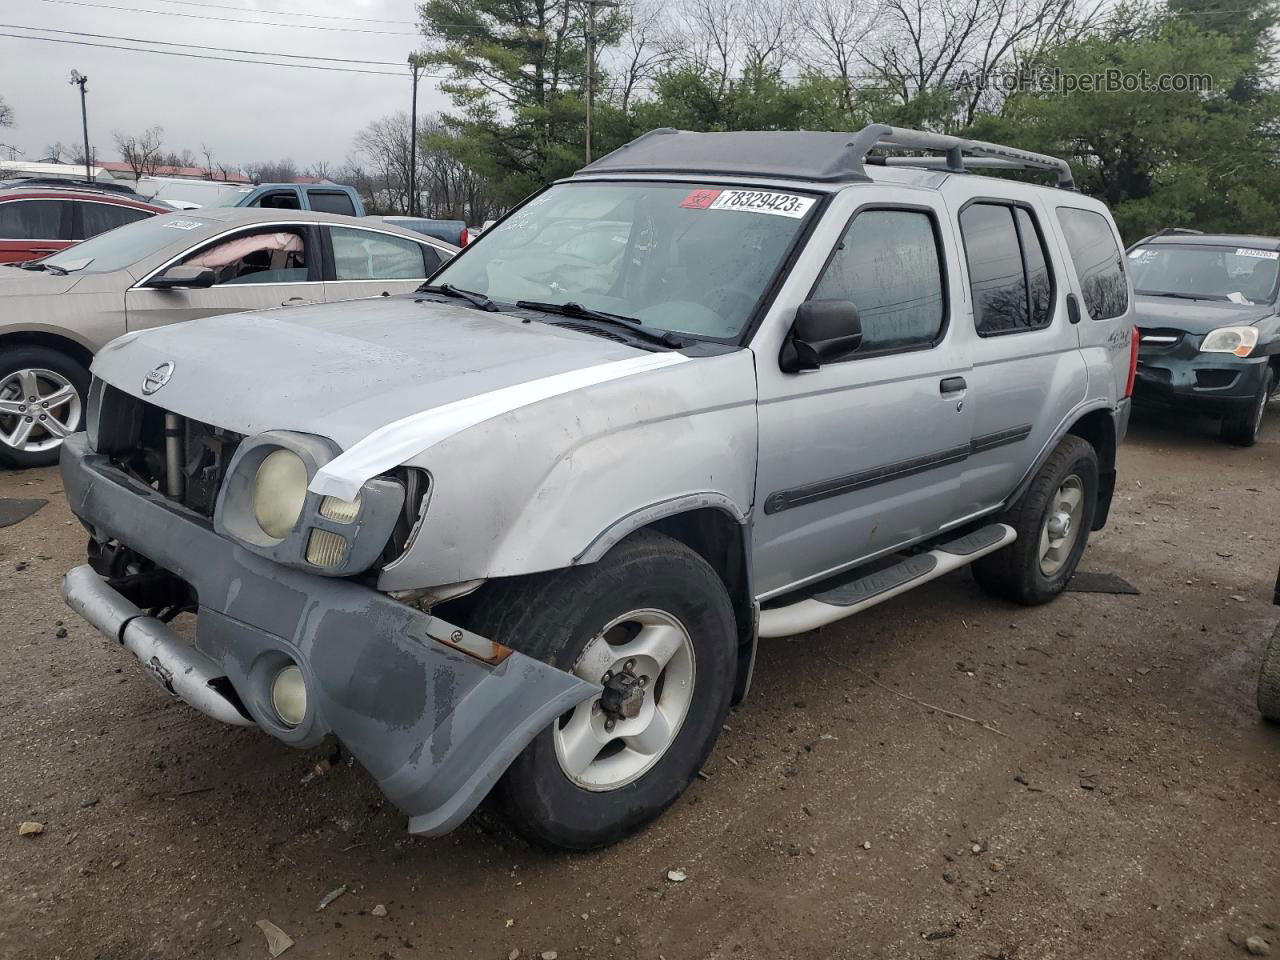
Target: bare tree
[
  {"x": 206, "y": 151},
  {"x": 833, "y": 33},
  {"x": 141, "y": 152},
  {"x": 272, "y": 171},
  {"x": 641, "y": 55},
  {"x": 321, "y": 170},
  {"x": 6, "y": 113}
]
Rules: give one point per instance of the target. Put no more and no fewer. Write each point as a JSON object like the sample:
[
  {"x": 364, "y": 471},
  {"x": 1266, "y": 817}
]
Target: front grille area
[
  {"x": 1159, "y": 339},
  {"x": 132, "y": 432}
]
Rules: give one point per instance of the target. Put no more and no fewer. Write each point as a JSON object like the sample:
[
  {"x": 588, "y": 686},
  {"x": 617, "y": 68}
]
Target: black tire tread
[
  {"x": 1241, "y": 429},
  {"x": 1009, "y": 572}
]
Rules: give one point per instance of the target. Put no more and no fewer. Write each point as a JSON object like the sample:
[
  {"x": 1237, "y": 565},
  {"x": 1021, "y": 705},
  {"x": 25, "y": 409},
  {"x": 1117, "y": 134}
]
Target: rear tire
[
  {"x": 47, "y": 375},
  {"x": 649, "y": 592},
  {"x": 1269, "y": 680},
  {"x": 1242, "y": 429},
  {"x": 1036, "y": 567}
]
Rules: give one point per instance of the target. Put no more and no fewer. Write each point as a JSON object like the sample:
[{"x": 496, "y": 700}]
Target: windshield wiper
[
  {"x": 633, "y": 326},
  {"x": 449, "y": 290},
  {"x": 37, "y": 265},
  {"x": 1180, "y": 296}
]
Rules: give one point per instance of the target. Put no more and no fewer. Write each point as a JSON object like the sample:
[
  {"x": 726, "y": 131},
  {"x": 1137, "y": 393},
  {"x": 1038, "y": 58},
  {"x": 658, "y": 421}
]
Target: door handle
[
  {"x": 43, "y": 249},
  {"x": 295, "y": 301},
  {"x": 951, "y": 385},
  {"x": 1073, "y": 308}
]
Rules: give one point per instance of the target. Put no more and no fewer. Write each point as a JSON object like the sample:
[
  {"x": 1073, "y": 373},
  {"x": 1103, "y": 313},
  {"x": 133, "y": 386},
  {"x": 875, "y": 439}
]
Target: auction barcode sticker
[
  {"x": 184, "y": 224},
  {"x": 750, "y": 201},
  {"x": 1261, "y": 254}
]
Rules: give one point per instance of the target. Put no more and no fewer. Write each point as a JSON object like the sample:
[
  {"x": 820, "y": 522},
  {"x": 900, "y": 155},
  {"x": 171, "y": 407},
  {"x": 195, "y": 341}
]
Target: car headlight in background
[
  {"x": 279, "y": 491},
  {"x": 1237, "y": 340}
]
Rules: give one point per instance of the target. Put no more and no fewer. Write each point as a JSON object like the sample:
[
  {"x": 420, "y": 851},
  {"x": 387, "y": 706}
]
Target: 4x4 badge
[{"x": 157, "y": 378}]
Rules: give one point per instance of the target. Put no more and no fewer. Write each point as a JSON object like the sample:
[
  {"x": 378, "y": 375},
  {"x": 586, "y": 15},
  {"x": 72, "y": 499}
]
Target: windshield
[
  {"x": 124, "y": 246},
  {"x": 1207, "y": 271},
  {"x": 680, "y": 257}
]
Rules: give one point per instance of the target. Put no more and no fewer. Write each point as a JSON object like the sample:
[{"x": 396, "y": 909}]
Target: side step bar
[{"x": 857, "y": 595}]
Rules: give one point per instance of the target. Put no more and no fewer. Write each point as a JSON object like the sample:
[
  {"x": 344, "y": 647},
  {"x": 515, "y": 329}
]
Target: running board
[{"x": 857, "y": 595}]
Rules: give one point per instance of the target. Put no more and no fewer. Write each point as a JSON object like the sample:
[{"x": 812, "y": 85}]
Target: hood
[
  {"x": 1195, "y": 316},
  {"x": 343, "y": 370},
  {"x": 16, "y": 282}
]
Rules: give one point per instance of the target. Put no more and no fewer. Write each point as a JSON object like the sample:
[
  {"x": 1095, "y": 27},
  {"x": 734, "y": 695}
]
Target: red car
[{"x": 38, "y": 221}]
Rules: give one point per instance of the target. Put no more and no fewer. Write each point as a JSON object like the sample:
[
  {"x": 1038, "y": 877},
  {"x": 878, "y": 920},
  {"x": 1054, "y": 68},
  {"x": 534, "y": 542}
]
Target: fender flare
[
  {"x": 642, "y": 517},
  {"x": 1069, "y": 421}
]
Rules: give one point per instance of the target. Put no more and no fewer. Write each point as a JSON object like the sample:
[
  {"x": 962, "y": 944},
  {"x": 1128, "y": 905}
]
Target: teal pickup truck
[{"x": 321, "y": 197}]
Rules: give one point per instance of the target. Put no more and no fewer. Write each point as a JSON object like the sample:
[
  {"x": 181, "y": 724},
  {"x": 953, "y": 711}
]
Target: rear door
[
  {"x": 369, "y": 263},
  {"x": 33, "y": 227},
  {"x": 274, "y": 265},
  {"x": 1028, "y": 374}
]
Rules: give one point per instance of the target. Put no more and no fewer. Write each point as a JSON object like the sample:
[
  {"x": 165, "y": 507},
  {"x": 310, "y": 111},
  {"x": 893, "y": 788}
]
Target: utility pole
[
  {"x": 415, "y": 69},
  {"x": 591, "y": 60},
  {"x": 78, "y": 79}
]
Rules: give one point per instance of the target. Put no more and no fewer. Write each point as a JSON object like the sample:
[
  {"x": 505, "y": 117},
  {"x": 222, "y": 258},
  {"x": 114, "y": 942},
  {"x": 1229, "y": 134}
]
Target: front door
[
  {"x": 862, "y": 456},
  {"x": 256, "y": 269},
  {"x": 370, "y": 263}
]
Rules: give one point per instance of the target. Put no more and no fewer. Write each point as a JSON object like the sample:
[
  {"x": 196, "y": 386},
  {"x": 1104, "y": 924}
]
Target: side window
[
  {"x": 96, "y": 218},
  {"x": 331, "y": 201},
  {"x": 269, "y": 256},
  {"x": 1008, "y": 269},
  {"x": 1099, "y": 266},
  {"x": 32, "y": 220},
  {"x": 366, "y": 255},
  {"x": 431, "y": 258},
  {"x": 280, "y": 200},
  {"x": 888, "y": 265}
]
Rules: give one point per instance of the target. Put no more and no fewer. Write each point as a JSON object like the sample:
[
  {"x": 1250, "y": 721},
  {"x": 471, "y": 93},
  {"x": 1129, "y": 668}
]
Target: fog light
[
  {"x": 339, "y": 510},
  {"x": 289, "y": 695},
  {"x": 325, "y": 549}
]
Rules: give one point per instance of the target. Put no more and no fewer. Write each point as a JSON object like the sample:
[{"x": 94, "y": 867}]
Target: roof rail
[
  {"x": 1177, "y": 232},
  {"x": 955, "y": 150}
]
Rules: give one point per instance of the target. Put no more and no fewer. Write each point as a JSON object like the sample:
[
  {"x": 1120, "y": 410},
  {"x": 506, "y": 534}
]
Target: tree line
[{"x": 989, "y": 69}]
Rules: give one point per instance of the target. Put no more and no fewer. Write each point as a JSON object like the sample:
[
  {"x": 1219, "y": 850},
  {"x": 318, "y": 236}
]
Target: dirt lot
[{"x": 1126, "y": 804}]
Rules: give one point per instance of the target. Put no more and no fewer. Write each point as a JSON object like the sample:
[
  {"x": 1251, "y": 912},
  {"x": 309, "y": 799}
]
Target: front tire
[
  {"x": 1053, "y": 519},
  {"x": 1242, "y": 429},
  {"x": 42, "y": 400},
  {"x": 653, "y": 620}
]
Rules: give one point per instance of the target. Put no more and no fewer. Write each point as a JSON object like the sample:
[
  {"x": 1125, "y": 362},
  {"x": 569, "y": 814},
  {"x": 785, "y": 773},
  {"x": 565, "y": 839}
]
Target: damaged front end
[{"x": 289, "y": 637}]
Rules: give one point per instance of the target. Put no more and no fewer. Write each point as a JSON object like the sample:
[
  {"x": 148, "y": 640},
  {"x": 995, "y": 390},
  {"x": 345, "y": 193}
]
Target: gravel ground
[{"x": 1121, "y": 799}]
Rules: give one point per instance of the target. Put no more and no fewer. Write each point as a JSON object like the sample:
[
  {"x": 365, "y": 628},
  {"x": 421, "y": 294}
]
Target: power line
[
  {"x": 199, "y": 56},
  {"x": 256, "y": 23},
  {"x": 285, "y": 13},
  {"x": 170, "y": 43}
]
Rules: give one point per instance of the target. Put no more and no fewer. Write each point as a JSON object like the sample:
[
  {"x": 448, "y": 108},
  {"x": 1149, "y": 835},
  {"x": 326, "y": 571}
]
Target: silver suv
[{"x": 521, "y": 531}]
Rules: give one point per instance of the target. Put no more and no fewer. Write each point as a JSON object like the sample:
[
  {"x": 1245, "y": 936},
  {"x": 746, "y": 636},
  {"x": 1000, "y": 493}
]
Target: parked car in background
[
  {"x": 1209, "y": 333},
  {"x": 450, "y": 231},
  {"x": 521, "y": 532},
  {"x": 323, "y": 198},
  {"x": 56, "y": 313},
  {"x": 38, "y": 220},
  {"x": 188, "y": 193}
]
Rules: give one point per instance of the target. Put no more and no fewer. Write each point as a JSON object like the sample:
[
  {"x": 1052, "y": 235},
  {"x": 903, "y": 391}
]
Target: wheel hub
[
  {"x": 623, "y": 695},
  {"x": 1060, "y": 525}
]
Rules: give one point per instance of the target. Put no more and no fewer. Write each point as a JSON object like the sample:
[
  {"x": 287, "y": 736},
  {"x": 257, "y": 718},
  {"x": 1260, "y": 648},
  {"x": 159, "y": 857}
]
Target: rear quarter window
[
  {"x": 1099, "y": 265},
  {"x": 331, "y": 201}
]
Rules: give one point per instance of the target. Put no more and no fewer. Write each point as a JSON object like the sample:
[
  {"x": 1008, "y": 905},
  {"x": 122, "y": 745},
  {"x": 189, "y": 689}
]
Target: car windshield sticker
[
  {"x": 1142, "y": 254},
  {"x": 184, "y": 224},
  {"x": 751, "y": 201},
  {"x": 700, "y": 199},
  {"x": 1260, "y": 254},
  {"x": 1238, "y": 297}
]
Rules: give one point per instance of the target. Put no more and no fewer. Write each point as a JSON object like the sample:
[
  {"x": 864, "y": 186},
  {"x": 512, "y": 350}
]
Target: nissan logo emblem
[{"x": 157, "y": 377}]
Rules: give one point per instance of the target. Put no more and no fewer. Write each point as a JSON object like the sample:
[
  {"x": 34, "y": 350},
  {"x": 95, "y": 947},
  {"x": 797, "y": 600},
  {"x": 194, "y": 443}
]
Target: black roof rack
[
  {"x": 1177, "y": 232},
  {"x": 821, "y": 156}
]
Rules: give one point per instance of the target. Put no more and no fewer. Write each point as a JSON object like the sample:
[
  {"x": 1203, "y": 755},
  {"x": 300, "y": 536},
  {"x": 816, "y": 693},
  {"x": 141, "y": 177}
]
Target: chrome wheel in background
[{"x": 38, "y": 409}]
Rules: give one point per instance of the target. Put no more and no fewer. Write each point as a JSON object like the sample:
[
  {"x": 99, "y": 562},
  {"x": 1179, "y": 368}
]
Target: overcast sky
[{"x": 245, "y": 112}]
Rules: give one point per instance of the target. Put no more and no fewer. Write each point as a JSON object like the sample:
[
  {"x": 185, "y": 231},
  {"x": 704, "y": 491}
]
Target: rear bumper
[{"x": 435, "y": 727}]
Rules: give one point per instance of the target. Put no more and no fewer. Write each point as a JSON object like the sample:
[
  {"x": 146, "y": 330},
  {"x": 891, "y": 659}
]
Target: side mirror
[
  {"x": 180, "y": 276},
  {"x": 824, "y": 331}
]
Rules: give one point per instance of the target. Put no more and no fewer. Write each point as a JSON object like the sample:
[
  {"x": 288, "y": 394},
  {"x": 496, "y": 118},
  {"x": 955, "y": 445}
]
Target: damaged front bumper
[{"x": 436, "y": 727}]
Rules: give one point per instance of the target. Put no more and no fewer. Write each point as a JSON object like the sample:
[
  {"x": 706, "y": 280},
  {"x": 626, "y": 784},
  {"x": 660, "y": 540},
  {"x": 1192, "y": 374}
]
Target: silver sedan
[{"x": 56, "y": 313}]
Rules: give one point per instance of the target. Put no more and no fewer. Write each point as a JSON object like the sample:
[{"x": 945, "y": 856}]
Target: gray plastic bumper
[{"x": 434, "y": 726}]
